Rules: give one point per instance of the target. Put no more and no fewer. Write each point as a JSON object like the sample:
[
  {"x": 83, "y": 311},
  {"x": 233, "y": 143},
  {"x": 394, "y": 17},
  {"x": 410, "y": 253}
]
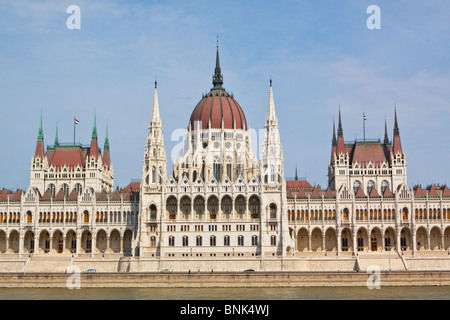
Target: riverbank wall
[{"x": 224, "y": 280}]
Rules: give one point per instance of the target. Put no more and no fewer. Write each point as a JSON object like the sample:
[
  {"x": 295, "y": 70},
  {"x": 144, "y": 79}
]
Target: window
[
  {"x": 384, "y": 185},
  {"x": 273, "y": 211},
  {"x": 226, "y": 241},
  {"x": 241, "y": 241},
  {"x": 199, "y": 241},
  {"x": 370, "y": 186},
  {"x": 185, "y": 241},
  {"x": 29, "y": 217},
  {"x": 356, "y": 186},
  {"x": 273, "y": 240},
  {"x": 212, "y": 241},
  {"x": 171, "y": 241},
  {"x": 254, "y": 240},
  {"x": 152, "y": 242},
  {"x": 86, "y": 217}
]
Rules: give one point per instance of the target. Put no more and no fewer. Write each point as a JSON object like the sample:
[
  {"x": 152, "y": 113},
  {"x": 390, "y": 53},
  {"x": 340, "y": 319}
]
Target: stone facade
[{"x": 222, "y": 207}]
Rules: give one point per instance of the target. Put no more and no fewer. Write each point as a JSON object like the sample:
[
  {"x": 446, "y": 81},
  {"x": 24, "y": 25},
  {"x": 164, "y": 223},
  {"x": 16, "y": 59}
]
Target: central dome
[{"x": 218, "y": 109}]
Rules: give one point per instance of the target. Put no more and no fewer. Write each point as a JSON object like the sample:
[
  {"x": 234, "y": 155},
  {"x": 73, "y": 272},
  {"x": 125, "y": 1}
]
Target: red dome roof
[{"x": 218, "y": 110}]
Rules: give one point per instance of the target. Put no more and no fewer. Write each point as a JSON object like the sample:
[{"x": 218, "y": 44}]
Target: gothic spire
[
  {"x": 340, "y": 131},
  {"x": 56, "y": 136},
  {"x": 41, "y": 132},
  {"x": 155, "y": 109},
  {"x": 396, "y": 130},
  {"x": 106, "y": 147},
  {"x": 217, "y": 77},
  {"x": 397, "y": 144},
  {"x": 94, "y": 129},
  {"x": 386, "y": 138},
  {"x": 271, "y": 118}
]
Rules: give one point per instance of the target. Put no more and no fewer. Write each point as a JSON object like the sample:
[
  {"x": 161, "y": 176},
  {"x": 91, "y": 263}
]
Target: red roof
[
  {"x": 418, "y": 192},
  {"x": 388, "y": 193},
  {"x": 330, "y": 193},
  {"x": 220, "y": 109},
  {"x": 360, "y": 193},
  {"x": 133, "y": 187},
  {"x": 70, "y": 157},
  {"x": 297, "y": 184},
  {"x": 374, "y": 152},
  {"x": 445, "y": 192},
  {"x": 373, "y": 193}
]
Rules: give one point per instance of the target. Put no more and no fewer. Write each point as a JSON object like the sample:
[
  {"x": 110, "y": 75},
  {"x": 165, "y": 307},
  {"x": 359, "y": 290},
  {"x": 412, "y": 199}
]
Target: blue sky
[{"x": 320, "y": 55}]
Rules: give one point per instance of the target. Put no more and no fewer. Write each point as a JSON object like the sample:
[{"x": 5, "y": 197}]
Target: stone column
[
  {"x": 21, "y": 245},
  {"x": 78, "y": 235},
  {"x": 93, "y": 245},
  {"x": 51, "y": 245}
]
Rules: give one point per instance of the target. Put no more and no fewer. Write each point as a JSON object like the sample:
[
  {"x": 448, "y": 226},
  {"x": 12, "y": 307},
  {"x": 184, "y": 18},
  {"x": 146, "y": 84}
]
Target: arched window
[
  {"x": 152, "y": 212},
  {"x": 29, "y": 217},
  {"x": 185, "y": 241},
  {"x": 254, "y": 240},
  {"x": 370, "y": 186},
  {"x": 273, "y": 240},
  {"x": 273, "y": 211},
  {"x": 356, "y": 186},
  {"x": 52, "y": 189},
  {"x": 345, "y": 214},
  {"x": 152, "y": 241},
  {"x": 212, "y": 241},
  {"x": 240, "y": 205},
  {"x": 65, "y": 189},
  {"x": 212, "y": 207},
  {"x": 226, "y": 241},
  {"x": 384, "y": 185},
  {"x": 86, "y": 217},
  {"x": 153, "y": 175},
  {"x": 199, "y": 241},
  {"x": 79, "y": 188},
  {"x": 172, "y": 208},
  {"x": 171, "y": 241},
  {"x": 241, "y": 241},
  {"x": 254, "y": 207},
  {"x": 186, "y": 206}
]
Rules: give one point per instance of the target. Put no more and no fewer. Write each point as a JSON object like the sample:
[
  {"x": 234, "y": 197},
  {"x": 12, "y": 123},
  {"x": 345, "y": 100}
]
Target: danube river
[{"x": 339, "y": 293}]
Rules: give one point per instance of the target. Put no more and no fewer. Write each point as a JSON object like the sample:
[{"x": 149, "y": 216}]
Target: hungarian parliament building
[{"x": 220, "y": 202}]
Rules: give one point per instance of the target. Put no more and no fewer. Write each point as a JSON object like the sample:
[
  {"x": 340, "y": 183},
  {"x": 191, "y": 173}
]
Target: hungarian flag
[
  {"x": 365, "y": 118},
  {"x": 76, "y": 121}
]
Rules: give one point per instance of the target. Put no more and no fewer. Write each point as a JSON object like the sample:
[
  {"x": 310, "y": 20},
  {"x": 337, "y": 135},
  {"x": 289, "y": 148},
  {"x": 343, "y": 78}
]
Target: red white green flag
[
  {"x": 76, "y": 121},
  {"x": 365, "y": 118}
]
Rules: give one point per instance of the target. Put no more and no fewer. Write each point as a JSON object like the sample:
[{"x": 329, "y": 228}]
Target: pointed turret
[
  {"x": 155, "y": 110},
  {"x": 106, "y": 155},
  {"x": 93, "y": 151},
  {"x": 397, "y": 145},
  {"x": 340, "y": 140},
  {"x": 333, "y": 143},
  {"x": 155, "y": 152},
  {"x": 271, "y": 118},
  {"x": 272, "y": 154},
  {"x": 386, "y": 138},
  {"x": 39, "y": 153},
  {"x": 56, "y": 136},
  {"x": 217, "y": 77}
]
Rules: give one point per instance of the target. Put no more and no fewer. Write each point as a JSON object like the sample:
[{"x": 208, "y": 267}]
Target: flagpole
[
  {"x": 364, "y": 126},
  {"x": 74, "y": 118}
]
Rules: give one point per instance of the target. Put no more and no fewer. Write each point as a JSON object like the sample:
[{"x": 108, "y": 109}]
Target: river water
[{"x": 341, "y": 293}]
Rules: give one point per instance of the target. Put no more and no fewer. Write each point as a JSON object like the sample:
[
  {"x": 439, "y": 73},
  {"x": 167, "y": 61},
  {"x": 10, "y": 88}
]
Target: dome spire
[{"x": 217, "y": 77}]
